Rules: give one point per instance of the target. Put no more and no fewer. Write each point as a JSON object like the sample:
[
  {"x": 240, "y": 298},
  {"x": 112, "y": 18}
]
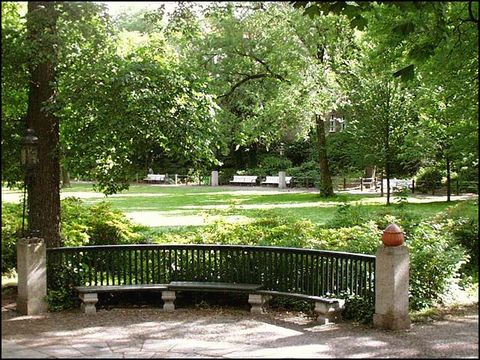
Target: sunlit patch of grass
[{"x": 9, "y": 280}]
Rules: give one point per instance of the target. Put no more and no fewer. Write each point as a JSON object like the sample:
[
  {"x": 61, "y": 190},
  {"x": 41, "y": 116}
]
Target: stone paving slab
[{"x": 226, "y": 333}]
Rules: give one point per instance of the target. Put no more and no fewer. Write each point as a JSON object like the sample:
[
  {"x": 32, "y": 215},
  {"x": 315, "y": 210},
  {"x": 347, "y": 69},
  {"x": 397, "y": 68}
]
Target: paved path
[{"x": 225, "y": 333}]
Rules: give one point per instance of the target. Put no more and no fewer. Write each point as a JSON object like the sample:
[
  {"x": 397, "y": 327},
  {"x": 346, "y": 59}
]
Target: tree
[
  {"x": 439, "y": 40},
  {"x": 274, "y": 73},
  {"x": 44, "y": 196}
]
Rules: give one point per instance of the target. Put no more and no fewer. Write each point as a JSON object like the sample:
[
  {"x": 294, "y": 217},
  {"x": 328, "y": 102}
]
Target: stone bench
[
  {"x": 328, "y": 310},
  {"x": 89, "y": 297},
  {"x": 253, "y": 298}
]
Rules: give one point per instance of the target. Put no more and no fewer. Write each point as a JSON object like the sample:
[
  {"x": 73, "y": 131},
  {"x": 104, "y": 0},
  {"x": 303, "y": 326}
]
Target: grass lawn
[{"x": 179, "y": 206}]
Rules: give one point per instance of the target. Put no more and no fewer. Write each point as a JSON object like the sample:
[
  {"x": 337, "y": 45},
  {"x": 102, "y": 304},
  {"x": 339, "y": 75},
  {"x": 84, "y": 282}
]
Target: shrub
[
  {"x": 358, "y": 309},
  {"x": 307, "y": 170},
  {"x": 428, "y": 179},
  {"x": 462, "y": 223},
  {"x": 97, "y": 224},
  {"x": 270, "y": 165},
  {"x": 74, "y": 218},
  {"x": 11, "y": 232},
  {"x": 80, "y": 225},
  {"x": 225, "y": 175},
  {"x": 348, "y": 215},
  {"x": 107, "y": 226},
  {"x": 435, "y": 261}
]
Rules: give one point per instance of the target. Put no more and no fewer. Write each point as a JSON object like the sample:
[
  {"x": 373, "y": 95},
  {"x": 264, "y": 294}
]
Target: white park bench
[
  {"x": 397, "y": 184},
  {"x": 275, "y": 180},
  {"x": 155, "y": 178},
  {"x": 244, "y": 179},
  {"x": 368, "y": 183}
]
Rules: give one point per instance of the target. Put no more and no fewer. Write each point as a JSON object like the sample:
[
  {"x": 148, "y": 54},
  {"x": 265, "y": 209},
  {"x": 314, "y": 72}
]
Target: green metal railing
[{"x": 306, "y": 271}]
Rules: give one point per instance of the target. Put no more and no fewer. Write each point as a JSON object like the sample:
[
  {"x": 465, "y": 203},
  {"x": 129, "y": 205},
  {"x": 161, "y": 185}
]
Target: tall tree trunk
[
  {"x": 449, "y": 186},
  {"x": 252, "y": 156},
  {"x": 44, "y": 199},
  {"x": 387, "y": 144},
  {"x": 65, "y": 177},
  {"x": 326, "y": 187}
]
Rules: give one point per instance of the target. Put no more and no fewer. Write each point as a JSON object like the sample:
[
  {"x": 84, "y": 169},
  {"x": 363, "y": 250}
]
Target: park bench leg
[
  {"x": 168, "y": 298},
  {"x": 258, "y": 302},
  {"x": 329, "y": 313},
  {"x": 88, "y": 302}
]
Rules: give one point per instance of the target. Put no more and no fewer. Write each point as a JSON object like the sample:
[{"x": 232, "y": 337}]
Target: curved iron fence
[{"x": 307, "y": 271}]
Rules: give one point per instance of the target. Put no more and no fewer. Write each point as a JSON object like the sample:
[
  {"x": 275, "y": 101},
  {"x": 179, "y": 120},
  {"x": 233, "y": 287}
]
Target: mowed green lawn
[
  {"x": 150, "y": 204},
  {"x": 173, "y": 206}
]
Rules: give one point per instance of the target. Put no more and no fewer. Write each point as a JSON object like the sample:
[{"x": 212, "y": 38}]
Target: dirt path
[{"x": 226, "y": 333}]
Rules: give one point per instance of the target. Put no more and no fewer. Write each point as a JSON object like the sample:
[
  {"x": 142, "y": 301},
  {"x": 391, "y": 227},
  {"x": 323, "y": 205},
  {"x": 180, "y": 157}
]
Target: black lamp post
[{"x": 29, "y": 160}]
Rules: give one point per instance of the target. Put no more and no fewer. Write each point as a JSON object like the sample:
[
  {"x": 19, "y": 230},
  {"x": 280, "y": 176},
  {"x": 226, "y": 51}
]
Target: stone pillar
[
  {"x": 88, "y": 302},
  {"x": 258, "y": 301},
  {"x": 214, "y": 178},
  {"x": 32, "y": 276},
  {"x": 391, "y": 282},
  {"x": 168, "y": 298},
  {"x": 281, "y": 180},
  {"x": 329, "y": 312}
]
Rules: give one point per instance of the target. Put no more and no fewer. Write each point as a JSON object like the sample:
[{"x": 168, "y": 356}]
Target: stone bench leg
[
  {"x": 258, "y": 301},
  {"x": 168, "y": 298},
  {"x": 329, "y": 313},
  {"x": 88, "y": 302}
]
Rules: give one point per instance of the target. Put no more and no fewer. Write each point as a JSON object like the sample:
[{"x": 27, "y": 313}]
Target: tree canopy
[{"x": 227, "y": 84}]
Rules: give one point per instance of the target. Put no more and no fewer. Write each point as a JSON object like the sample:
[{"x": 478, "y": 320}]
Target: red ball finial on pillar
[{"x": 393, "y": 236}]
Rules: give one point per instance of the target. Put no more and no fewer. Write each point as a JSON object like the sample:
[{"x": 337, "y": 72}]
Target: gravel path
[{"x": 226, "y": 333}]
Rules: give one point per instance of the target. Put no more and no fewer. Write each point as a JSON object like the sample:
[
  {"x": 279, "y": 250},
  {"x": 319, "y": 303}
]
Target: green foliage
[
  {"x": 11, "y": 232},
  {"x": 61, "y": 294},
  {"x": 80, "y": 225},
  {"x": 98, "y": 224},
  {"x": 435, "y": 261},
  {"x": 358, "y": 309},
  {"x": 308, "y": 169},
  {"x": 109, "y": 227},
  {"x": 347, "y": 214},
  {"x": 428, "y": 179},
  {"x": 462, "y": 224},
  {"x": 270, "y": 165},
  {"x": 61, "y": 299},
  {"x": 435, "y": 250},
  {"x": 225, "y": 175}
]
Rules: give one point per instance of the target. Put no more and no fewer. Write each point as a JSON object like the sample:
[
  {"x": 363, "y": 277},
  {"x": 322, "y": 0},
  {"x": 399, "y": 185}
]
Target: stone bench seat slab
[
  {"x": 299, "y": 296},
  {"x": 328, "y": 310},
  {"x": 212, "y": 286},
  {"x": 120, "y": 288}
]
